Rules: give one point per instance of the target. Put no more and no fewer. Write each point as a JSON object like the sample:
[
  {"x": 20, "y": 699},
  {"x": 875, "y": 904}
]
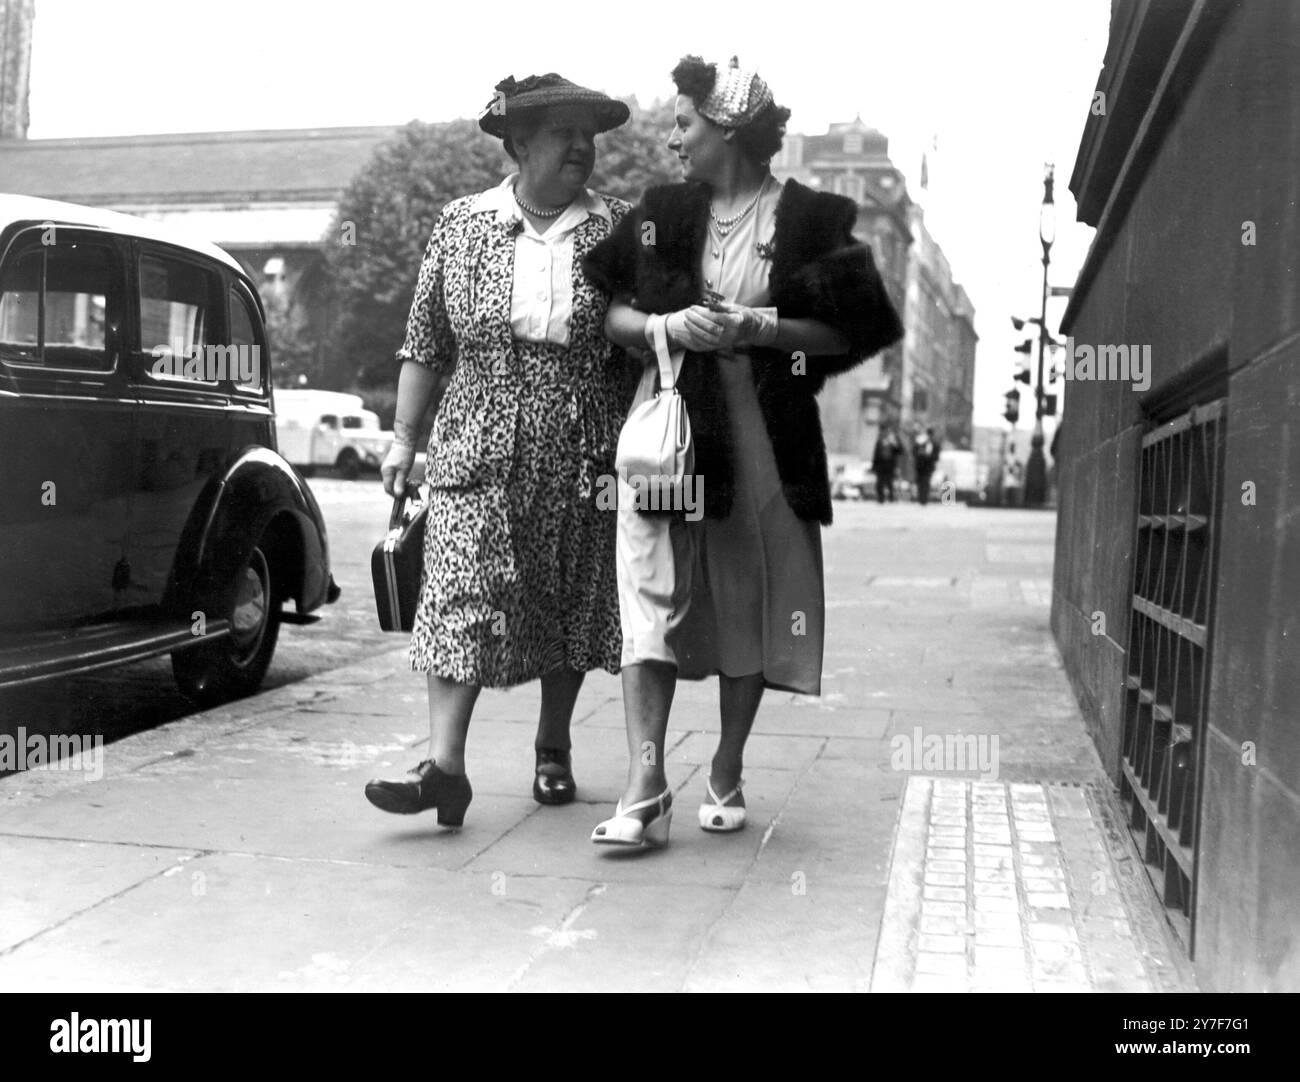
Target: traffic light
[
  {"x": 1022, "y": 374},
  {"x": 1026, "y": 347},
  {"x": 1012, "y": 412}
]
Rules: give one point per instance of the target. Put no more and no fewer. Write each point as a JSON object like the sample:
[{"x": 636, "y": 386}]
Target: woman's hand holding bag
[{"x": 396, "y": 467}]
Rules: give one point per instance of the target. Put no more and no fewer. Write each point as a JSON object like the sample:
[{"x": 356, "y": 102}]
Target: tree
[
  {"x": 634, "y": 157},
  {"x": 292, "y": 345},
  {"x": 377, "y": 240},
  {"x": 379, "y": 234}
]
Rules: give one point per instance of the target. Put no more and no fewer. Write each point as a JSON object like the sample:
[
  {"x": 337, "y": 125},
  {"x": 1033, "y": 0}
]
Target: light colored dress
[{"x": 744, "y": 594}]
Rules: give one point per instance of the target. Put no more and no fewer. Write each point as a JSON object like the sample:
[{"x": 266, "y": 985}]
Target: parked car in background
[
  {"x": 329, "y": 429},
  {"x": 853, "y": 481},
  {"x": 143, "y": 507}
]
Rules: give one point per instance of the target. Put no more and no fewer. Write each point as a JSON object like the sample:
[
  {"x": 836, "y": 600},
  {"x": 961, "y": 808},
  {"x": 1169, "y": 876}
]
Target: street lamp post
[{"x": 1036, "y": 467}]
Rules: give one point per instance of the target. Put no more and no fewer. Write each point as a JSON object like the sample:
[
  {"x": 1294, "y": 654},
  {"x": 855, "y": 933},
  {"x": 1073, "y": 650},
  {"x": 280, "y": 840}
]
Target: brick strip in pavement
[{"x": 1010, "y": 887}]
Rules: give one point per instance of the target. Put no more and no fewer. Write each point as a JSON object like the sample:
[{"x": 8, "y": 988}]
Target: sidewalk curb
[
  {"x": 895, "y": 950},
  {"x": 186, "y": 734}
]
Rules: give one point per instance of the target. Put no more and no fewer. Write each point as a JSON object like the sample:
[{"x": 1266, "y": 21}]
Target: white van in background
[
  {"x": 967, "y": 476},
  {"x": 316, "y": 429}
]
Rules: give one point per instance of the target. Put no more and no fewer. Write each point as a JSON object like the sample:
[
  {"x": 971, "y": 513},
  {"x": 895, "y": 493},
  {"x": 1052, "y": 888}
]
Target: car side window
[
  {"x": 246, "y": 342},
  {"x": 53, "y": 306},
  {"x": 176, "y": 321}
]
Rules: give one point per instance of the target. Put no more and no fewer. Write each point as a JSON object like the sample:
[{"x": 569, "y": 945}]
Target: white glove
[
  {"x": 696, "y": 328},
  {"x": 748, "y": 326},
  {"x": 397, "y": 467}
]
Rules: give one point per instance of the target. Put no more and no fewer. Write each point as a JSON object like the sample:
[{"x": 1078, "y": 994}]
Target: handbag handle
[
  {"x": 410, "y": 492},
  {"x": 669, "y": 363}
]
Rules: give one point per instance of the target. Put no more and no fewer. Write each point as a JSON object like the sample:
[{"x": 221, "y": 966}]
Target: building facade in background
[
  {"x": 938, "y": 382},
  {"x": 927, "y": 378},
  {"x": 16, "y": 18},
  {"x": 1176, "y": 599}
]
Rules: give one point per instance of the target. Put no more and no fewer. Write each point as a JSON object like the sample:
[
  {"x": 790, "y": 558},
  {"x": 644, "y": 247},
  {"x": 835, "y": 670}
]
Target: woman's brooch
[{"x": 765, "y": 249}]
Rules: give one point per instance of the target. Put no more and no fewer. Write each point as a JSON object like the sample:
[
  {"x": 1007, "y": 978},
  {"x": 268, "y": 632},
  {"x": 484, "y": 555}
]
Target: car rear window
[
  {"x": 53, "y": 304},
  {"x": 245, "y": 338},
  {"x": 175, "y": 318}
]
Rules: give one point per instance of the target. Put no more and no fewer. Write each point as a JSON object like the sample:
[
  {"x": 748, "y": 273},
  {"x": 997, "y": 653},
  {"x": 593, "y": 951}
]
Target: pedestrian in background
[
  {"x": 519, "y": 577},
  {"x": 884, "y": 462},
  {"x": 925, "y": 456},
  {"x": 1012, "y": 483}
]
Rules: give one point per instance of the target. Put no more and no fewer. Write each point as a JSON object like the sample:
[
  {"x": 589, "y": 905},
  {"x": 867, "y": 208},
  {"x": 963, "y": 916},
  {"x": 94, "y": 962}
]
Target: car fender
[{"x": 255, "y": 490}]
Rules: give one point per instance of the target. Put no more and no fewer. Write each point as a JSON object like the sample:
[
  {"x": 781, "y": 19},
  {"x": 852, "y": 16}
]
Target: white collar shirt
[{"x": 541, "y": 294}]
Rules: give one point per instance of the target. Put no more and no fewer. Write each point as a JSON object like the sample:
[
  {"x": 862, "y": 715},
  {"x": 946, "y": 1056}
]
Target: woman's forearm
[
  {"x": 813, "y": 337},
  {"x": 625, "y": 326},
  {"x": 415, "y": 385}
]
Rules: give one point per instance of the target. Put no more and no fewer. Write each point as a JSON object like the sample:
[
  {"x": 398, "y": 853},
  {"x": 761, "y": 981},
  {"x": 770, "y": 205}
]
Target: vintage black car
[{"x": 143, "y": 506}]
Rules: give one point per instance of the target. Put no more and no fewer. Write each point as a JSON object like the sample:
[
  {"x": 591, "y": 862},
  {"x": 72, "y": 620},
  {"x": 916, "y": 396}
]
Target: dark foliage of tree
[
  {"x": 633, "y": 158},
  {"x": 379, "y": 234}
]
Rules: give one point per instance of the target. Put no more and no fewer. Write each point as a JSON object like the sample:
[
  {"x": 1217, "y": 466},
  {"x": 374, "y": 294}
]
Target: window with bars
[{"x": 1166, "y": 686}]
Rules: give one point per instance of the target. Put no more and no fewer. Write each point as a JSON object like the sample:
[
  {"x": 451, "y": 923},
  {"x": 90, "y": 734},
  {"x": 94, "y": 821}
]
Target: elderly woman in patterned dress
[{"x": 519, "y": 579}]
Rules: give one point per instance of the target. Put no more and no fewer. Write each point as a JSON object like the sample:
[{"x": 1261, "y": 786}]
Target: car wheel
[
  {"x": 349, "y": 465},
  {"x": 235, "y": 665}
]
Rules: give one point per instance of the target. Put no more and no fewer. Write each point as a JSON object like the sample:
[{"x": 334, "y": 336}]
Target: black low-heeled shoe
[
  {"x": 553, "y": 783},
  {"x": 423, "y": 788}
]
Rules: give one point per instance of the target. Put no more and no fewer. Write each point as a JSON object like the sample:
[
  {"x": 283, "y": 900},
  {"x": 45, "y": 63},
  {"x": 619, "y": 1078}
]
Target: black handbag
[{"x": 397, "y": 561}]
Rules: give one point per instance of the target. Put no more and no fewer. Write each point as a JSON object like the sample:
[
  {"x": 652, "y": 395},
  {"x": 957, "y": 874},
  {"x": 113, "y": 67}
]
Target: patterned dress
[{"x": 519, "y": 550}]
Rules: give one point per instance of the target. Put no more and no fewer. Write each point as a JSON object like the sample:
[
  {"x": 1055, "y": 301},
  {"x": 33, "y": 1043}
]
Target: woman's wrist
[{"x": 404, "y": 433}]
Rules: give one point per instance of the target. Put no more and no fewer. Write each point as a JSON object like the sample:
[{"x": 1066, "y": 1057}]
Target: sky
[{"x": 999, "y": 87}]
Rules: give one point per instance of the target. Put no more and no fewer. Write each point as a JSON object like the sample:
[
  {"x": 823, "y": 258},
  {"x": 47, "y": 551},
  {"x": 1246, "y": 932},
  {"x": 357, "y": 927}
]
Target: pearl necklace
[
  {"x": 726, "y": 225},
  {"x": 541, "y": 213}
]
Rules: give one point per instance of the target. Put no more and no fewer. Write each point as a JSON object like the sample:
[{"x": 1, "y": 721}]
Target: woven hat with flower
[{"x": 537, "y": 92}]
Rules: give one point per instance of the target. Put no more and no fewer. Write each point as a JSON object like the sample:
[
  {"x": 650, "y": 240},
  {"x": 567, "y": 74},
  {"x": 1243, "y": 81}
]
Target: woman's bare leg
[
  {"x": 450, "y": 707},
  {"x": 648, "y": 689},
  {"x": 739, "y": 698},
  {"x": 559, "y": 695}
]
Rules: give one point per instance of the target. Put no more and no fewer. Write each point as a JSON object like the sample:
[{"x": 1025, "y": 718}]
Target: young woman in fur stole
[{"x": 764, "y": 287}]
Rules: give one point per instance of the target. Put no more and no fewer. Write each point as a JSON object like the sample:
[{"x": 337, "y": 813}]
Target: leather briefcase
[{"x": 398, "y": 560}]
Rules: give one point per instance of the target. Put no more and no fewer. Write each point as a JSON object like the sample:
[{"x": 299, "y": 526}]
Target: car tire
[
  {"x": 235, "y": 665},
  {"x": 349, "y": 465}
]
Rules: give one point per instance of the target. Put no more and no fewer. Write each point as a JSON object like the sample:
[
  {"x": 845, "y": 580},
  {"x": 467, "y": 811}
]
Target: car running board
[{"x": 48, "y": 654}]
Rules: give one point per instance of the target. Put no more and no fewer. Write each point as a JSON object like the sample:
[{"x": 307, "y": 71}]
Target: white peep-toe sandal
[
  {"x": 627, "y": 830},
  {"x": 717, "y": 816}
]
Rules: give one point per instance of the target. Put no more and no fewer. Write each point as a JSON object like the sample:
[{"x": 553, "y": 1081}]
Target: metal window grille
[{"x": 1169, "y": 650}]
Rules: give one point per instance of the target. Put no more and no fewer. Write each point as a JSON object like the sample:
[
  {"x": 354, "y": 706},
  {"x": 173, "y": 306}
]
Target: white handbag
[{"x": 656, "y": 455}]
